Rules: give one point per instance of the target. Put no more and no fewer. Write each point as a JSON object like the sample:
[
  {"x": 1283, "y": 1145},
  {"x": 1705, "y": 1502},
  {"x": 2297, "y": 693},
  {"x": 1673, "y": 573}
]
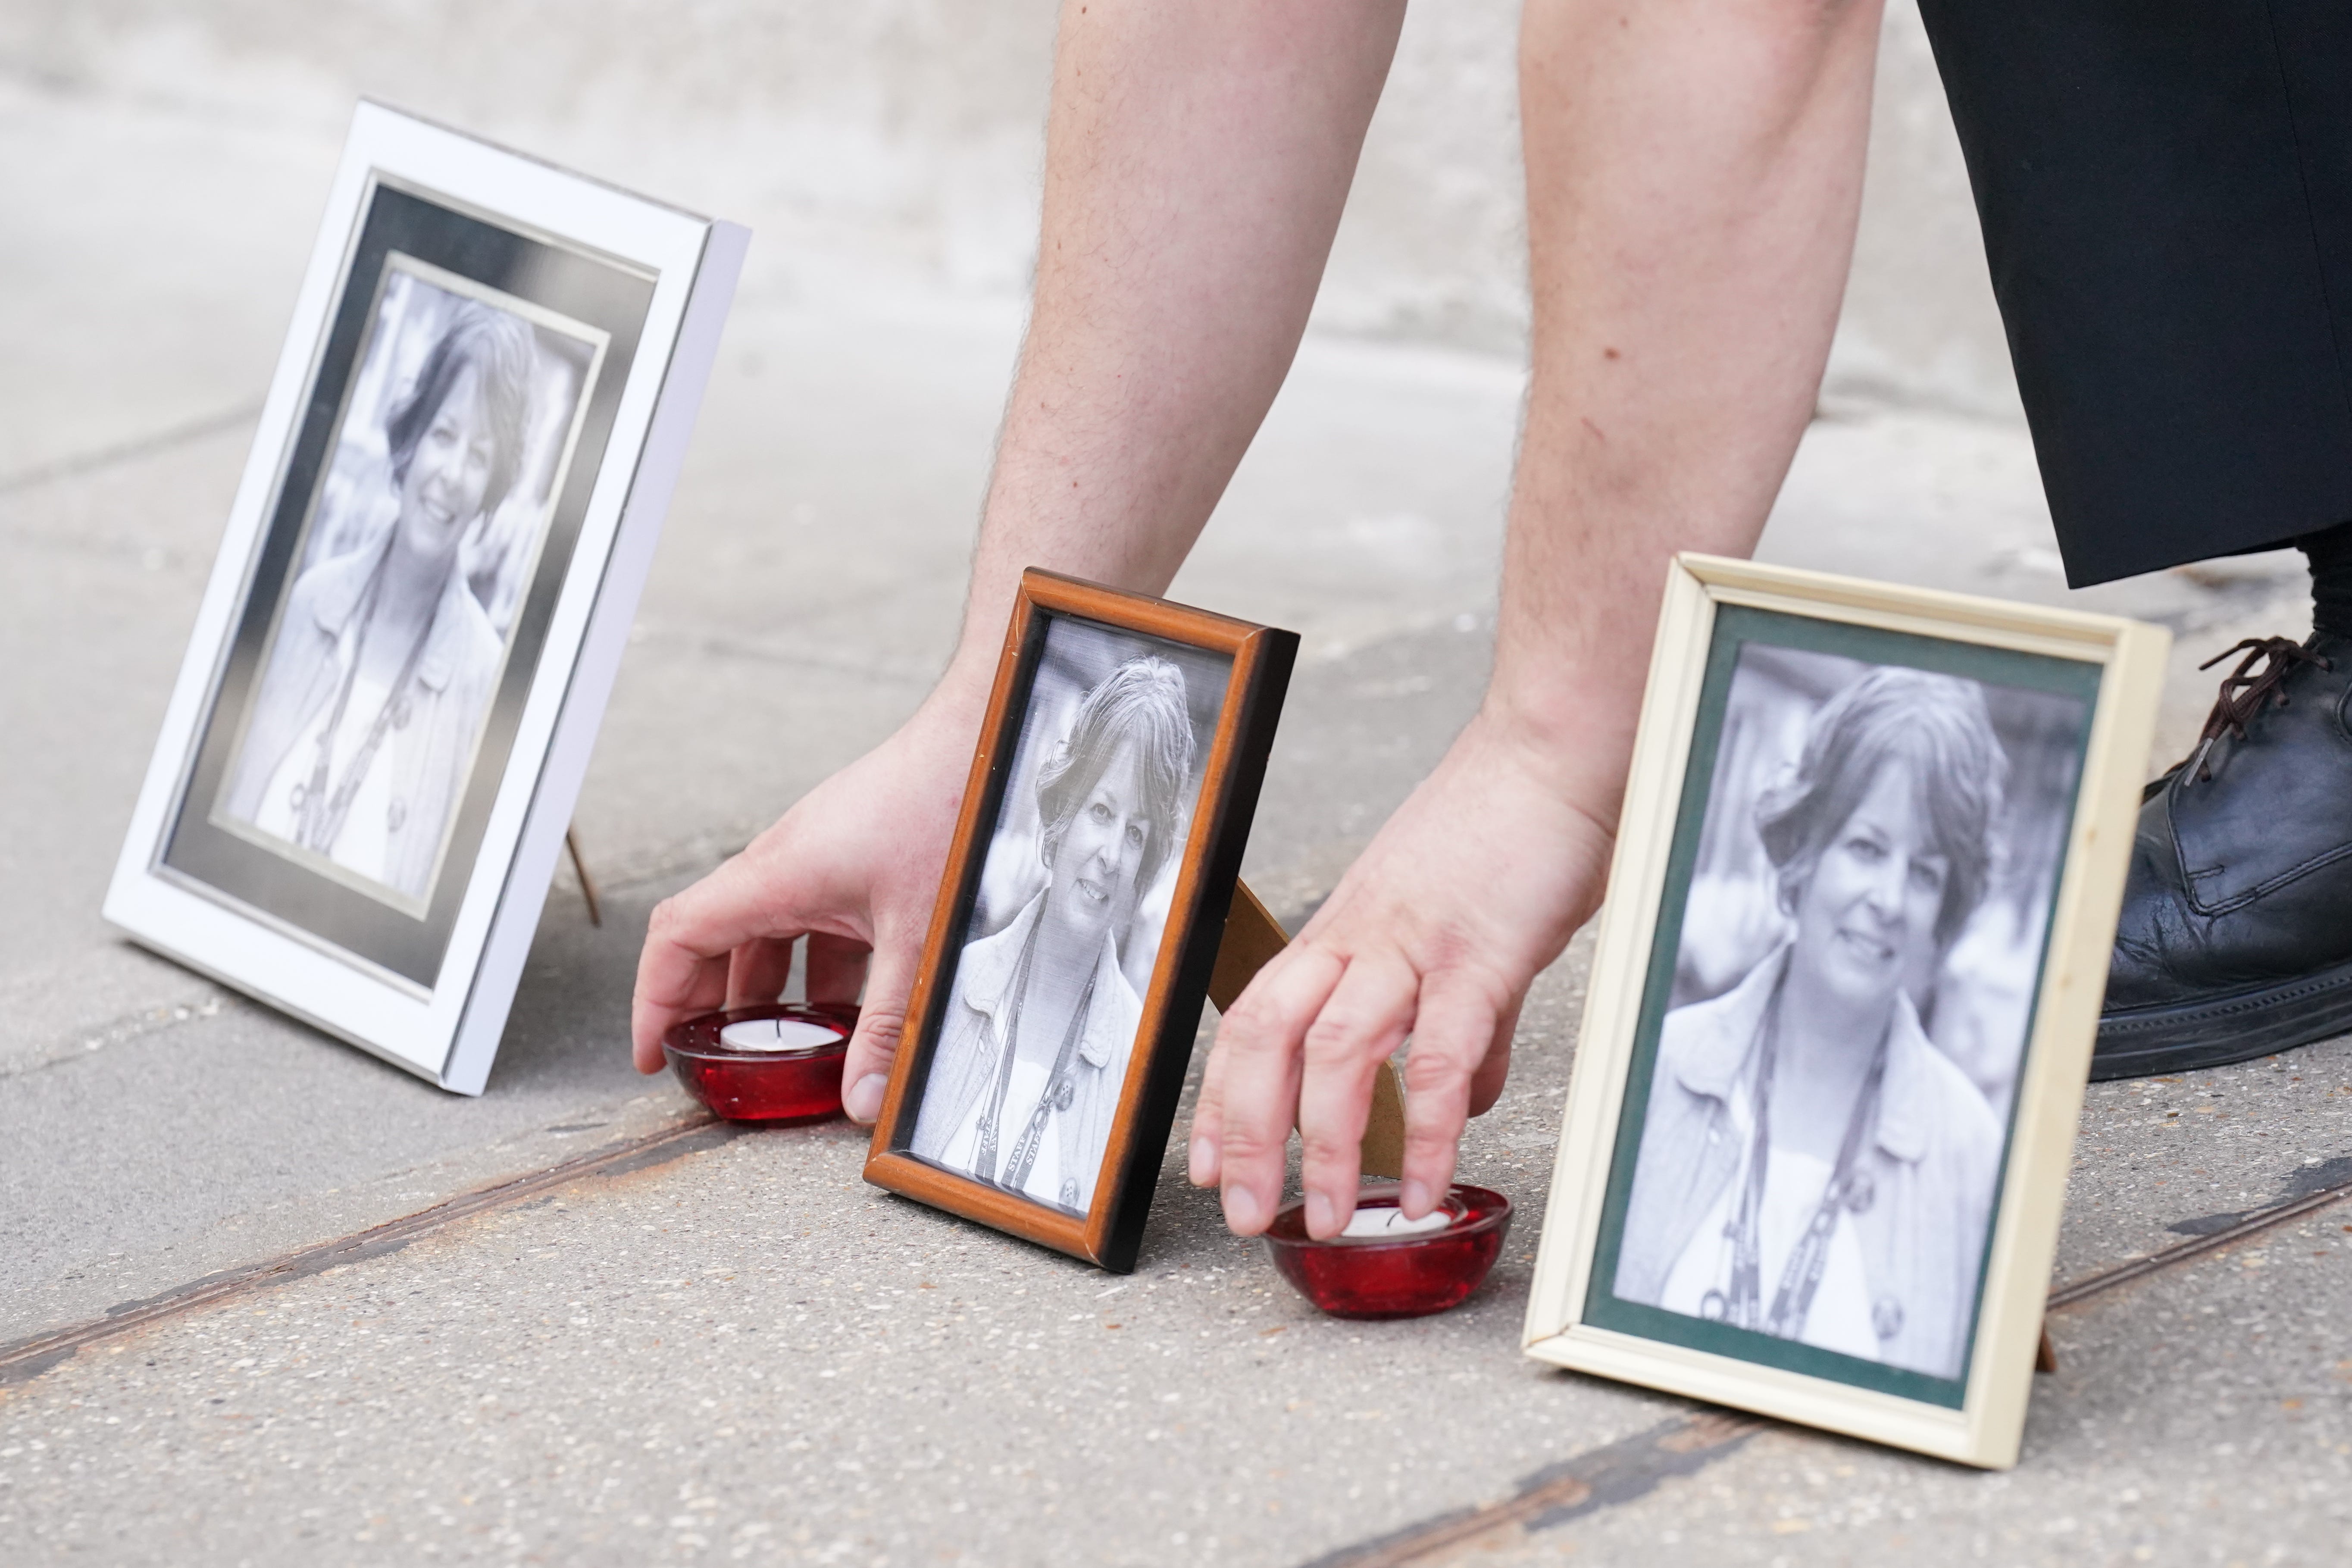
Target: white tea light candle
[
  {"x": 780, "y": 1034},
  {"x": 1383, "y": 1222}
]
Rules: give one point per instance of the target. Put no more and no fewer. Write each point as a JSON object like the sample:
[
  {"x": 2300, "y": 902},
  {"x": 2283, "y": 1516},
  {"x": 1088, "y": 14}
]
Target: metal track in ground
[
  {"x": 2255, "y": 1220},
  {"x": 1622, "y": 1471},
  {"x": 28, "y": 1358}
]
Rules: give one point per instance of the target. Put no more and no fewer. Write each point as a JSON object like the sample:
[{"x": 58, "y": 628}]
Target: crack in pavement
[
  {"x": 26, "y": 1359},
  {"x": 120, "y": 1030},
  {"x": 776, "y": 651},
  {"x": 138, "y": 447}
]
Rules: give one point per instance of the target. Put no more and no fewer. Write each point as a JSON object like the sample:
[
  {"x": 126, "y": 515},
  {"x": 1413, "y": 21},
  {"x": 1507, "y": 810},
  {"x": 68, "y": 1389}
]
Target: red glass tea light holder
[
  {"x": 1390, "y": 1267},
  {"x": 779, "y": 1065}
]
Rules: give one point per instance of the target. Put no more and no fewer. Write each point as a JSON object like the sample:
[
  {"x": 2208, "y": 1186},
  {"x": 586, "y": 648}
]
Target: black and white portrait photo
[
  {"x": 1843, "y": 1000},
  {"x": 389, "y": 645},
  {"x": 1860, "y": 951},
  {"x": 1057, "y": 956},
  {"x": 430, "y": 566}
]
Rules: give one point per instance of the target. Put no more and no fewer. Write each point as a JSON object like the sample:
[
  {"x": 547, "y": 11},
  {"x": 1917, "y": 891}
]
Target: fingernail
[
  {"x": 1202, "y": 1163},
  {"x": 1321, "y": 1220},
  {"x": 863, "y": 1100},
  {"x": 1240, "y": 1211},
  {"x": 1414, "y": 1200}
]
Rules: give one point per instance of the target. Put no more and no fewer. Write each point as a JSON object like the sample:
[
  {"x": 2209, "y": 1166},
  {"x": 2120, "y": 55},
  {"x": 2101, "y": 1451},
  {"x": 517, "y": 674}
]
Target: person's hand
[
  {"x": 855, "y": 867},
  {"x": 1472, "y": 888}
]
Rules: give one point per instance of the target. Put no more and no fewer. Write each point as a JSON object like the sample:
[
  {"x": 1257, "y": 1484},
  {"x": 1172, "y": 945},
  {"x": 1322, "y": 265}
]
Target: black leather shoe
[{"x": 2236, "y": 937}]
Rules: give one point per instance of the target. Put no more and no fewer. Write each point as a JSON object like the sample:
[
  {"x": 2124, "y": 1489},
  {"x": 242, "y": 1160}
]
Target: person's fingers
[
  {"x": 1486, "y": 1082},
  {"x": 1261, "y": 1038},
  {"x": 757, "y": 971},
  {"x": 1365, "y": 1018},
  {"x": 836, "y": 969},
  {"x": 1451, "y": 1035},
  {"x": 683, "y": 968},
  {"x": 696, "y": 985},
  {"x": 1205, "y": 1159},
  {"x": 881, "y": 1025}
]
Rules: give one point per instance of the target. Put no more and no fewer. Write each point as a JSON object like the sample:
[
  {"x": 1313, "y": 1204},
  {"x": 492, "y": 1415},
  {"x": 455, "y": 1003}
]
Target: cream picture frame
[{"x": 1715, "y": 611}]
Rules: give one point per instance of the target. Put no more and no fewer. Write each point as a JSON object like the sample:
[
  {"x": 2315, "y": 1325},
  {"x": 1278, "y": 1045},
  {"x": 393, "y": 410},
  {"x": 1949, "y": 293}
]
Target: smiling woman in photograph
[
  {"x": 1812, "y": 1167},
  {"x": 363, "y": 727},
  {"x": 1025, "y": 1084}
]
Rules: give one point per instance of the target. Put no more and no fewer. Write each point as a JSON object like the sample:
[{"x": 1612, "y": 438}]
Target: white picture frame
[
  {"x": 608, "y": 308},
  {"x": 1620, "y": 1272}
]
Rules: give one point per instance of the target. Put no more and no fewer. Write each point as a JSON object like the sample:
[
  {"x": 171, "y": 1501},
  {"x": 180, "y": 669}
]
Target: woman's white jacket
[
  {"x": 431, "y": 748},
  {"x": 1933, "y": 1160},
  {"x": 971, "y": 1045}
]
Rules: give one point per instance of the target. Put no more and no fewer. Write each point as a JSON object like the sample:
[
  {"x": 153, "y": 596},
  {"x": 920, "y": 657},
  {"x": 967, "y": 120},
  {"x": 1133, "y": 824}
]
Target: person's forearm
[
  {"x": 1196, "y": 161},
  {"x": 1694, "y": 175}
]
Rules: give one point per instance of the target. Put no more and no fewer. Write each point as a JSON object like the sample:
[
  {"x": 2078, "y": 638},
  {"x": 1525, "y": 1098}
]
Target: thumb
[{"x": 881, "y": 1027}]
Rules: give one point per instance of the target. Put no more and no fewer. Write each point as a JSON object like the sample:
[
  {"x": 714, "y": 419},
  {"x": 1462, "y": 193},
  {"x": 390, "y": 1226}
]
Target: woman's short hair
[
  {"x": 1143, "y": 701},
  {"x": 1939, "y": 725},
  {"x": 500, "y": 349}
]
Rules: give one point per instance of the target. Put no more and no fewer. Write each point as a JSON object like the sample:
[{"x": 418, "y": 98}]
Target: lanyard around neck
[
  {"x": 320, "y": 812},
  {"x": 1792, "y": 1301},
  {"x": 1058, "y": 1090}
]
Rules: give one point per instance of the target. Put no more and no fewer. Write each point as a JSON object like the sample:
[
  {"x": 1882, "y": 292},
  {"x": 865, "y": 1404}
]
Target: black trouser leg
[
  {"x": 2329, "y": 552},
  {"x": 2165, "y": 189}
]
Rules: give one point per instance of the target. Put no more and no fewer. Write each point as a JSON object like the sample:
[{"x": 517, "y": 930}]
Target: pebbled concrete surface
[
  {"x": 2160, "y": 1160},
  {"x": 749, "y": 1353},
  {"x": 2204, "y": 1416},
  {"x": 630, "y": 1370},
  {"x": 746, "y": 1355}
]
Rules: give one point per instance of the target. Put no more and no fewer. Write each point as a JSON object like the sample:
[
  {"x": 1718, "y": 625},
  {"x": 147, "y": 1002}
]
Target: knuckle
[
  {"x": 1325, "y": 1147},
  {"x": 1426, "y": 1073},
  {"x": 1253, "y": 1021},
  {"x": 881, "y": 1030},
  {"x": 1245, "y": 1141},
  {"x": 663, "y": 923},
  {"x": 1336, "y": 1036},
  {"x": 1429, "y": 1140},
  {"x": 1331, "y": 1034}
]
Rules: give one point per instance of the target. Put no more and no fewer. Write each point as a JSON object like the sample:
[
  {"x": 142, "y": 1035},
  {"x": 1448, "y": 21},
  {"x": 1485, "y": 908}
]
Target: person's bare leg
[
  {"x": 1694, "y": 176},
  {"x": 1197, "y": 159}
]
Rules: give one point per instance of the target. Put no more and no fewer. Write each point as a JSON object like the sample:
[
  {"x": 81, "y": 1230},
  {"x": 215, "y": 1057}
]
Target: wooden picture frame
[
  {"x": 1092, "y": 682},
  {"x": 1775, "y": 700}
]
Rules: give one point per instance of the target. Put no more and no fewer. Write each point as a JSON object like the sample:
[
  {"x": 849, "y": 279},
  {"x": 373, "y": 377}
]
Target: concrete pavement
[{"x": 744, "y": 1353}]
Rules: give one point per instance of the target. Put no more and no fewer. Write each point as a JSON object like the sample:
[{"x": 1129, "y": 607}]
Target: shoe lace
[{"x": 2245, "y": 689}]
